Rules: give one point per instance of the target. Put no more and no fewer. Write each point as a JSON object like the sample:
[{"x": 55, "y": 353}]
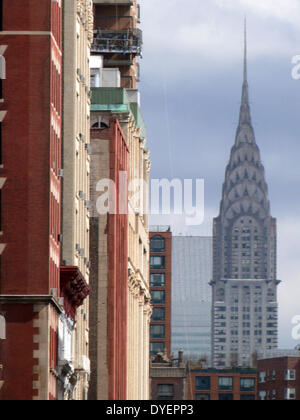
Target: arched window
[
  {"x": 100, "y": 124},
  {"x": 157, "y": 244},
  {"x": 2, "y": 328}
]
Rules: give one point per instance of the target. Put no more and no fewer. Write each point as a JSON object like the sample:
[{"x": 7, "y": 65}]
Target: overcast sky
[{"x": 191, "y": 90}]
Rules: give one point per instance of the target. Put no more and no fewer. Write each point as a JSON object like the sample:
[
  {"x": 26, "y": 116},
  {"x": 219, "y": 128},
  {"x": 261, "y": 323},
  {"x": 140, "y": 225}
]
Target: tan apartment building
[
  {"x": 74, "y": 326},
  {"x": 139, "y": 307}
]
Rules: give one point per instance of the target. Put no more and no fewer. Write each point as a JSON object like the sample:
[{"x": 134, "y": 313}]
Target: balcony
[{"x": 118, "y": 42}]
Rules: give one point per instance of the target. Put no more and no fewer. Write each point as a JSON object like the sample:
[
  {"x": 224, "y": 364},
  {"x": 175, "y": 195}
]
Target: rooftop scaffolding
[{"x": 118, "y": 42}]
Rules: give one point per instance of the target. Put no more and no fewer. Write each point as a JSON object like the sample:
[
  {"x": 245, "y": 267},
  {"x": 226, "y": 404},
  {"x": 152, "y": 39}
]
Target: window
[
  {"x": 202, "y": 397},
  {"x": 157, "y": 280},
  {"x": 225, "y": 383},
  {"x": 156, "y": 348},
  {"x": 262, "y": 395},
  {"x": 157, "y": 244},
  {"x": 247, "y": 398},
  {"x": 290, "y": 394},
  {"x": 225, "y": 397},
  {"x": 157, "y": 263},
  {"x": 165, "y": 392},
  {"x": 271, "y": 310},
  {"x": 220, "y": 309},
  {"x": 158, "y": 314},
  {"x": 158, "y": 296},
  {"x": 157, "y": 331},
  {"x": 2, "y": 328},
  {"x": 202, "y": 383},
  {"x": 247, "y": 384},
  {"x": 290, "y": 375}
]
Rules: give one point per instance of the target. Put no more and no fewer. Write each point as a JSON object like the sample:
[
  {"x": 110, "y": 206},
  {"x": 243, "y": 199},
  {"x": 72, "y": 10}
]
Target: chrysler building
[{"x": 244, "y": 285}]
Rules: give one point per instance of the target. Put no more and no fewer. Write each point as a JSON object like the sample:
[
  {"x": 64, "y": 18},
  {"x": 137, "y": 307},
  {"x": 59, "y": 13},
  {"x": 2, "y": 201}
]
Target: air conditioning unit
[
  {"x": 60, "y": 173},
  {"x": 84, "y": 364}
]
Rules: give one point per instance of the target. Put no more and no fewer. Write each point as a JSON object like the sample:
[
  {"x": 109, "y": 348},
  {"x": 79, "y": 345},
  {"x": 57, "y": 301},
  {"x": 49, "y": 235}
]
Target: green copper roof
[{"x": 116, "y": 100}]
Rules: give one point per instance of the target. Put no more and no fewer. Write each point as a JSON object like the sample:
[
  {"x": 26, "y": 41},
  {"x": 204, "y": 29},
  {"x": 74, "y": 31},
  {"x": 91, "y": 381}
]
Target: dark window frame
[
  {"x": 155, "y": 301},
  {"x": 157, "y": 336},
  {"x": 161, "y": 284},
  {"x": 162, "y": 266},
  {"x": 158, "y": 249},
  {"x": 202, "y": 383}
]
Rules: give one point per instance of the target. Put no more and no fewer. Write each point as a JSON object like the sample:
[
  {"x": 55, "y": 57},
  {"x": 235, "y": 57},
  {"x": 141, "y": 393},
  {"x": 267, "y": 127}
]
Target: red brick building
[
  {"x": 109, "y": 272},
  {"x": 279, "y": 378},
  {"x": 160, "y": 286},
  {"x": 31, "y": 140},
  {"x": 168, "y": 378},
  {"x": 221, "y": 385}
]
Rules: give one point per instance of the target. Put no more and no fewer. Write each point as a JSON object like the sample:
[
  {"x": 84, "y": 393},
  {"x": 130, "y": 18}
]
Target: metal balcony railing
[{"x": 118, "y": 42}]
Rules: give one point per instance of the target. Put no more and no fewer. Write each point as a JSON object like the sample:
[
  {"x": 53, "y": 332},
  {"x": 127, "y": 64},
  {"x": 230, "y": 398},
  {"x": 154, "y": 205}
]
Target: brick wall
[
  {"x": 275, "y": 382},
  {"x": 31, "y": 144},
  {"x": 167, "y": 288}
]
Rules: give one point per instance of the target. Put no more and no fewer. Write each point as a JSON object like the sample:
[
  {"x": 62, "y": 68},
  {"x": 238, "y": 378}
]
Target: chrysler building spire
[
  {"x": 245, "y": 115},
  {"x": 244, "y": 265},
  {"x": 245, "y": 51}
]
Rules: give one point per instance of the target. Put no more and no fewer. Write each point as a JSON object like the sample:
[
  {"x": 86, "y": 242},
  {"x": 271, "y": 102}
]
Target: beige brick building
[
  {"x": 73, "y": 336},
  {"x": 139, "y": 308}
]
